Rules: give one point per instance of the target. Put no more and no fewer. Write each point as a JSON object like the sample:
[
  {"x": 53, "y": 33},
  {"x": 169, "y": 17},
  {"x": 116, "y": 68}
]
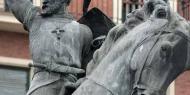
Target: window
[{"x": 13, "y": 81}]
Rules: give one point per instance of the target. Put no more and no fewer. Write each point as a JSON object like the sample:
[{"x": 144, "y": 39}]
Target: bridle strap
[{"x": 139, "y": 73}]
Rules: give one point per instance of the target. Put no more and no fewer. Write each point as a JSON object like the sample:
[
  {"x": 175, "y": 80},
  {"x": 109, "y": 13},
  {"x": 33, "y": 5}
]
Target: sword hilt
[{"x": 37, "y": 65}]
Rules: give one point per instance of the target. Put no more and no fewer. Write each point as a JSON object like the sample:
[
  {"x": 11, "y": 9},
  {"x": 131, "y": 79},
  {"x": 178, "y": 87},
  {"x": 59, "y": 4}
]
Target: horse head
[
  {"x": 168, "y": 55},
  {"x": 147, "y": 59}
]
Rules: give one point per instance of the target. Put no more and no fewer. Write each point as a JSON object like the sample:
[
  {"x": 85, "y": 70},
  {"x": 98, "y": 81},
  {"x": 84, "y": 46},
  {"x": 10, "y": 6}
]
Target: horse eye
[{"x": 166, "y": 50}]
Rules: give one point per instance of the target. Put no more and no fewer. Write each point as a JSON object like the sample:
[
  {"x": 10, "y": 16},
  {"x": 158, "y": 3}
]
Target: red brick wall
[
  {"x": 14, "y": 45},
  {"x": 105, "y": 5},
  {"x": 185, "y": 9},
  {"x": 182, "y": 84}
]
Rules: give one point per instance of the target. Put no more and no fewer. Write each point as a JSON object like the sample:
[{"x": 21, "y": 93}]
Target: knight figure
[{"x": 57, "y": 45}]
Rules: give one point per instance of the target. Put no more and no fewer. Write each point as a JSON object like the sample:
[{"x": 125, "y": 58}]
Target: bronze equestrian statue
[
  {"x": 146, "y": 59},
  {"x": 57, "y": 44},
  {"x": 140, "y": 57}
]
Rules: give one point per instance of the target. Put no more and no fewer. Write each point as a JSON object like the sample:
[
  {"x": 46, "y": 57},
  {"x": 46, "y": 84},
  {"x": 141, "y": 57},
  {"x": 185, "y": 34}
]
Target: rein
[{"x": 136, "y": 87}]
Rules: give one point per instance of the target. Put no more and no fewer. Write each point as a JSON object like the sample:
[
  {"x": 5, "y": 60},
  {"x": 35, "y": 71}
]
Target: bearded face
[{"x": 51, "y": 7}]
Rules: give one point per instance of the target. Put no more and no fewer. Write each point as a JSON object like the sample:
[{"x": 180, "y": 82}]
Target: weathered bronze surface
[{"x": 139, "y": 57}]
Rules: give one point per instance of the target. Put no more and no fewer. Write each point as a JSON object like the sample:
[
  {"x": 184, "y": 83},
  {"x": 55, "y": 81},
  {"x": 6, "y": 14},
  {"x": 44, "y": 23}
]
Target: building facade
[
  {"x": 14, "y": 50},
  {"x": 183, "y": 7}
]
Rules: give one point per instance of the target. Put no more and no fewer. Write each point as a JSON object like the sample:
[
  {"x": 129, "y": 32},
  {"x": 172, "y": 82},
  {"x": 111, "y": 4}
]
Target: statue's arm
[{"x": 23, "y": 10}]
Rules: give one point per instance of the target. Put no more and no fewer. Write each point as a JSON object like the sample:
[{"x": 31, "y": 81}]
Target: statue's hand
[
  {"x": 66, "y": 69},
  {"x": 75, "y": 85}
]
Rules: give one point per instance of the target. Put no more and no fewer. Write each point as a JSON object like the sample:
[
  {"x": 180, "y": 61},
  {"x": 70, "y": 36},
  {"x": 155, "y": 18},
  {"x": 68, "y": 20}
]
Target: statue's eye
[{"x": 54, "y": 31}]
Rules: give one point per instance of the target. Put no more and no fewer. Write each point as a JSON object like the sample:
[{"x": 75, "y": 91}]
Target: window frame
[
  {"x": 18, "y": 64},
  {"x": 27, "y": 70}
]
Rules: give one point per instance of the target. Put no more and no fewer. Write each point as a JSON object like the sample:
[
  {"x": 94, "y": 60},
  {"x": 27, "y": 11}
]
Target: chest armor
[{"x": 55, "y": 38}]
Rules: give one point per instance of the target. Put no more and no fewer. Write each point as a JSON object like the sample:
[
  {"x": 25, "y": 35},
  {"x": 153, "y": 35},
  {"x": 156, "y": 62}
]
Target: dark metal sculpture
[
  {"x": 140, "y": 57},
  {"x": 146, "y": 59},
  {"x": 57, "y": 45}
]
